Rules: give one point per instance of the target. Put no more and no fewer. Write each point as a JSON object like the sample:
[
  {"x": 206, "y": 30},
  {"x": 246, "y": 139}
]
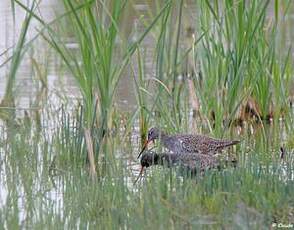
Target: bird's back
[{"x": 188, "y": 143}]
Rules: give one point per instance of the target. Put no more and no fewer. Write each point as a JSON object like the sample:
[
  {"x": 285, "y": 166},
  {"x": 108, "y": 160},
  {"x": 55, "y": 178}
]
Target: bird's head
[
  {"x": 148, "y": 159},
  {"x": 153, "y": 134}
]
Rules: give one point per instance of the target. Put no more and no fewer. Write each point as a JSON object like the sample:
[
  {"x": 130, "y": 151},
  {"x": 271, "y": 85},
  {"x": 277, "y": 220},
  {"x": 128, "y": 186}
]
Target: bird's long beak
[
  {"x": 144, "y": 147},
  {"x": 140, "y": 174}
]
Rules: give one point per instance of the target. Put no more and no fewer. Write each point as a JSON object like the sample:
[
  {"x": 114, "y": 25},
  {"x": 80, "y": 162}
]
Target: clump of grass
[
  {"x": 95, "y": 29},
  {"x": 233, "y": 61},
  {"x": 238, "y": 59},
  {"x": 93, "y": 68},
  {"x": 167, "y": 90}
]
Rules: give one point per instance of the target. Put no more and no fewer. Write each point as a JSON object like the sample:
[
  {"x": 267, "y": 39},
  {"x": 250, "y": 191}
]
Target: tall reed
[
  {"x": 95, "y": 28},
  {"x": 169, "y": 99},
  {"x": 19, "y": 51},
  {"x": 238, "y": 59}
]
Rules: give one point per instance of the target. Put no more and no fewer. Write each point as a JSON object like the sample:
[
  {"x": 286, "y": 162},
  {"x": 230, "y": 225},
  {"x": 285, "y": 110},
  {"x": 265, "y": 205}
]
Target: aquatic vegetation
[
  {"x": 46, "y": 191},
  {"x": 7, "y": 102},
  {"x": 74, "y": 167},
  {"x": 239, "y": 59}
]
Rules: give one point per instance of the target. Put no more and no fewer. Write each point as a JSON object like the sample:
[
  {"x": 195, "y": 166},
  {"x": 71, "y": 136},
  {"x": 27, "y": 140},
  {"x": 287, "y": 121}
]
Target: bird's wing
[
  {"x": 195, "y": 143},
  {"x": 202, "y": 144}
]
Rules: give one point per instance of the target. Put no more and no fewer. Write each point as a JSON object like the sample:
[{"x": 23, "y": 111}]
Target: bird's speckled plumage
[
  {"x": 191, "y": 161},
  {"x": 188, "y": 143}
]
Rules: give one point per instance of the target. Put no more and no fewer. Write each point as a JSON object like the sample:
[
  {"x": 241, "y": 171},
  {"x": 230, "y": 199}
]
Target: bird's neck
[
  {"x": 162, "y": 136},
  {"x": 164, "y": 139}
]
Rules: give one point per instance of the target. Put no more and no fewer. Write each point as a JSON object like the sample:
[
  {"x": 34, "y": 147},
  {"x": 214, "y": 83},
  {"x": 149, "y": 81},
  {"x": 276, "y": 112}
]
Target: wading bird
[
  {"x": 187, "y": 143},
  {"x": 192, "y": 162}
]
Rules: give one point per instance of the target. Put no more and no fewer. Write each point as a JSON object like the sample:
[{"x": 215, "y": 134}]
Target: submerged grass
[{"x": 41, "y": 192}]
